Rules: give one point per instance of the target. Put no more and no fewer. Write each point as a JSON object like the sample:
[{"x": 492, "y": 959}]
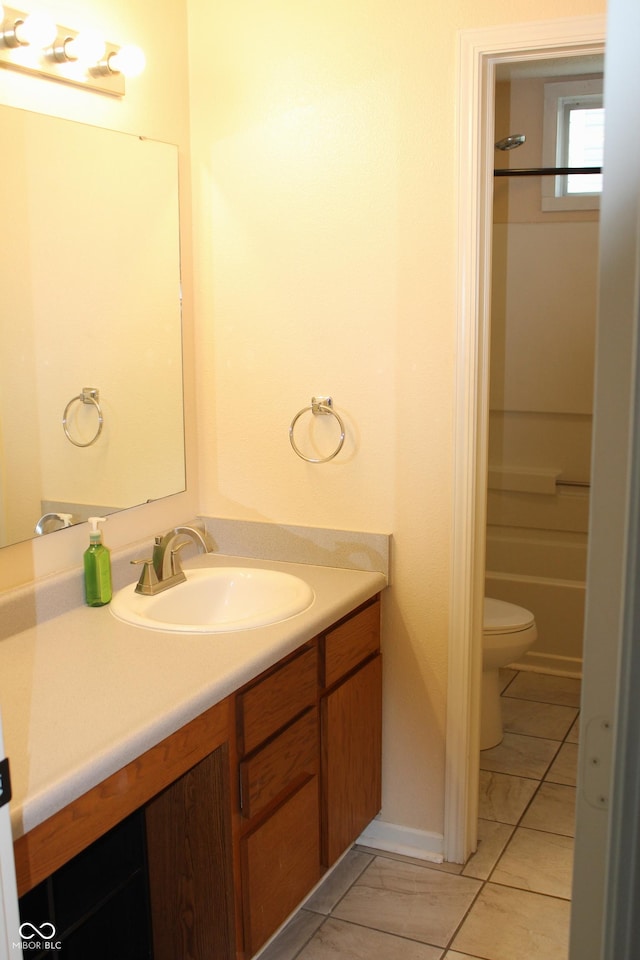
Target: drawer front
[
  {"x": 273, "y": 702},
  {"x": 351, "y": 643},
  {"x": 280, "y": 864},
  {"x": 291, "y": 757}
]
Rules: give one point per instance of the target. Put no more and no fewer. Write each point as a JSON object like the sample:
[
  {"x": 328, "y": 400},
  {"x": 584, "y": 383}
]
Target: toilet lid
[{"x": 502, "y": 617}]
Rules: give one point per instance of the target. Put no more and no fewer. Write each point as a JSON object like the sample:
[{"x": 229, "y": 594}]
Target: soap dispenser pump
[{"x": 97, "y": 567}]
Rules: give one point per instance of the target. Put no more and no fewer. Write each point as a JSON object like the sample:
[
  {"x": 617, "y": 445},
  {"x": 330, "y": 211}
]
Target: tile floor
[{"x": 510, "y": 901}]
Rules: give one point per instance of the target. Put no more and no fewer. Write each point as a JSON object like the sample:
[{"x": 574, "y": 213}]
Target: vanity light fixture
[
  {"x": 88, "y": 47},
  {"x": 30, "y": 30},
  {"x": 128, "y": 60},
  {"x": 33, "y": 43}
]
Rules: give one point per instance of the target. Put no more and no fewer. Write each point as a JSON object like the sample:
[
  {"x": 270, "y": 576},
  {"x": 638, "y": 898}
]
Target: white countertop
[{"x": 84, "y": 694}]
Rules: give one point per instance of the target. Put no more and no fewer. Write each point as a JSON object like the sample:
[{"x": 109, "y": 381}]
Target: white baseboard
[
  {"x": 405, "y": 841},
  {"x": 550, "y": 663}
]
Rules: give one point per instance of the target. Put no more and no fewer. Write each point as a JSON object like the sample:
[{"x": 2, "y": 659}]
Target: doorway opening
[
  {"x": 482, "y": 54},
  {"x": 544, "y": 267}
]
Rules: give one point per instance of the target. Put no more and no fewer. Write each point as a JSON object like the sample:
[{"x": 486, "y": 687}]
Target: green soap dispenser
[{"x": 97, "y": 567}]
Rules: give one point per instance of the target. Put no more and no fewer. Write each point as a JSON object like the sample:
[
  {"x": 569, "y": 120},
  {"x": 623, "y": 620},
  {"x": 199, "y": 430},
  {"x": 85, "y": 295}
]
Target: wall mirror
[{"x": 91, "y": 390}]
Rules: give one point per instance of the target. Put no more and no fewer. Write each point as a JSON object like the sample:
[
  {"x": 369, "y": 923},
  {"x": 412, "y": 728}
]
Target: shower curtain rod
[{"x": 544, "y": 171}]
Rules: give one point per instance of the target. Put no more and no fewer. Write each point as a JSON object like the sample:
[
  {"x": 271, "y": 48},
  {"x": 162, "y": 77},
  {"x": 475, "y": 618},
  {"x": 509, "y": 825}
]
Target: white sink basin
[{"x": 217, "y": 600}]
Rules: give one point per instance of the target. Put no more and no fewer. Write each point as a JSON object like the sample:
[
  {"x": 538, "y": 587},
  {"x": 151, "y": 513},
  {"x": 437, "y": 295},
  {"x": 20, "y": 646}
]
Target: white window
[{"x": 573, "y": 136}]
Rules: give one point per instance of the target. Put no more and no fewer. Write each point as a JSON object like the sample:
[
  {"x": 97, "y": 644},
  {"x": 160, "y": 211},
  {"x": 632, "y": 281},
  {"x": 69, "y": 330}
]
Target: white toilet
[{"x": 508, "y": 632}]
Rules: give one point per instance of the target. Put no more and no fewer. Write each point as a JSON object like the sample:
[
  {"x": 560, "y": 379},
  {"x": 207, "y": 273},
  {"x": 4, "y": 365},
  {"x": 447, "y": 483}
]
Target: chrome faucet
[
  {"x": 164, "y": 569},
  {"x": 48, "y": 521}
]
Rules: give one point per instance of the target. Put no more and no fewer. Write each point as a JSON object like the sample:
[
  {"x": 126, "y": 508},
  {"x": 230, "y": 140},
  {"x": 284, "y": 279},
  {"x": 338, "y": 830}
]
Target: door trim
[
  {"x": 479, "y": 52},
  {"x": 9, "y": 914}
]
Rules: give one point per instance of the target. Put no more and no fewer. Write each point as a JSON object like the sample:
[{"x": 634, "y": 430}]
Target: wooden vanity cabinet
[
  {"x": 309, "y": 735},
  {"x": 244, "y": 807},
  {"x": 351, "y": 729},
  {"x": 181, "y": 790},
  {"x": 277, "y": 822}
]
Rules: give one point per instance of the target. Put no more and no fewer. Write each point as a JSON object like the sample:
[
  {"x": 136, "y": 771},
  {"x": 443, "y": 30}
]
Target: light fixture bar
[{"x": 51, "y": 62}]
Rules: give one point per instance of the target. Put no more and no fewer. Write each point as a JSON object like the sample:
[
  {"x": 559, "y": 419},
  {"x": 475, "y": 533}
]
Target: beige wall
[
  {"x": 156, "y": 106},
  {"x": 324, "y": 237},
  {"x": 324, "y": 202}
]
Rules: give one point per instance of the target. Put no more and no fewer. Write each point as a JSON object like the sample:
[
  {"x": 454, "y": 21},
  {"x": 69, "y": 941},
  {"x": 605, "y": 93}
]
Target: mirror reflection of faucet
[
  {"x": 53, "y": 521},
  {"x": 163, "y": 569}
]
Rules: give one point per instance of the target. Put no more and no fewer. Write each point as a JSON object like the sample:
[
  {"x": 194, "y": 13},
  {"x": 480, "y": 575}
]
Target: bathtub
[{"x": 536, "y": 554}]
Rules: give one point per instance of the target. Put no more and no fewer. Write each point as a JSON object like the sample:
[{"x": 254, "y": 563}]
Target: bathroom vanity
[{"x": 251, "y": 759}]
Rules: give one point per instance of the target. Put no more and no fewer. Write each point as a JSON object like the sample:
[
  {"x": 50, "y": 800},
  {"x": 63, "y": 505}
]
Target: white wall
[{"x": 324, "y": 226}]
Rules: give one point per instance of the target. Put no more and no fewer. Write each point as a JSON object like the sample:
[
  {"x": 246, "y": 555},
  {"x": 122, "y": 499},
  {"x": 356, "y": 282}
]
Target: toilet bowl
[{"x": 508, "y": 632}]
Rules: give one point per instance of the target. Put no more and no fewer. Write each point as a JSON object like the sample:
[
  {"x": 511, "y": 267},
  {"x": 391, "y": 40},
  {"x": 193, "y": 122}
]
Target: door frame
[
  {"x": 479, "y": 53},
  {"x": 9, "y": 914}
]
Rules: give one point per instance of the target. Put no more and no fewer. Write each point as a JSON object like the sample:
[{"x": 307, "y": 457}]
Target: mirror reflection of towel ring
[
  {"x": 319, "y": 406},
  {"x": 88, "y": 395}
]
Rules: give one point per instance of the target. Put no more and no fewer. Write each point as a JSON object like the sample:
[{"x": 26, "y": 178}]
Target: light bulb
[
  {"x": 129, "y": 61},
  {"x": 36, "y": 30},
  {"x": 88, "y": 47}
]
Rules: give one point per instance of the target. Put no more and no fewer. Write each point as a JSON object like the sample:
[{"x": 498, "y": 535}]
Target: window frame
[{"x": 557, "y": 97}]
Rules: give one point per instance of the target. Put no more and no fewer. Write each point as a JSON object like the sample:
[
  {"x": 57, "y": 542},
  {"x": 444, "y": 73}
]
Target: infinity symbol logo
[{"x": 37, "y": 931}]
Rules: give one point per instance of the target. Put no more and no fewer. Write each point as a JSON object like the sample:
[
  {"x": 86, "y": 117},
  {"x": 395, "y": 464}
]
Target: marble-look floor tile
[
  {"x": 547, "y": 720},
  {"x": 509, "y": 924},
  {"x": 492, "y": 839},
  {"x": 454, "y": 955},
  {"x": 408, "y": 900},
  {"x": 564, "y": 768},
  {"x": 521, "y": 756},
  {"x": 545, "y": 688},
  {"x": 553, "y": 809},
  {"x": 504, "y": 797},
  {"x": 505, "y": 676},
  {"x": 574, "y": 734},
  {"x": 444, "y": 867},
  {"x": 338, "y": 882},
  {"x": 537, "y": 861},
  {"x": 336, "y": 940},
  {"x": 297, "y": 932}
]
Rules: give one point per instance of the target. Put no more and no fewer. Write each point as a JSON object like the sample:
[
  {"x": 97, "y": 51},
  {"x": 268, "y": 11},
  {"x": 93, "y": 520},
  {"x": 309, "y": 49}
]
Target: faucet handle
[
  {"x": 176, "y": 566},
  {"x": 148, "y": 579}
]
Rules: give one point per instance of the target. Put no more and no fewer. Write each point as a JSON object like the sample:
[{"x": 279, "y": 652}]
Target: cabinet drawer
[
  {"x": 291, "y": 757},
  {"x": 271, "y": 703},
  {"x": 280, "y": 864},
  {"x": 349, "y": 644}
]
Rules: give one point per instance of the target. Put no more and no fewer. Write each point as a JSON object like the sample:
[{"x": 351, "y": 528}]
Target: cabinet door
[
  {"x": 190, "y": 864},
  {"x": 280, "y": 864},
  {"x": 351, "y": 724}
]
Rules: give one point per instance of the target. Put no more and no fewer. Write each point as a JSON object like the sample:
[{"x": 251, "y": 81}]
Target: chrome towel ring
[
  {"x": 319, "y": 406},
  {"x": 88, "y": 395}
]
